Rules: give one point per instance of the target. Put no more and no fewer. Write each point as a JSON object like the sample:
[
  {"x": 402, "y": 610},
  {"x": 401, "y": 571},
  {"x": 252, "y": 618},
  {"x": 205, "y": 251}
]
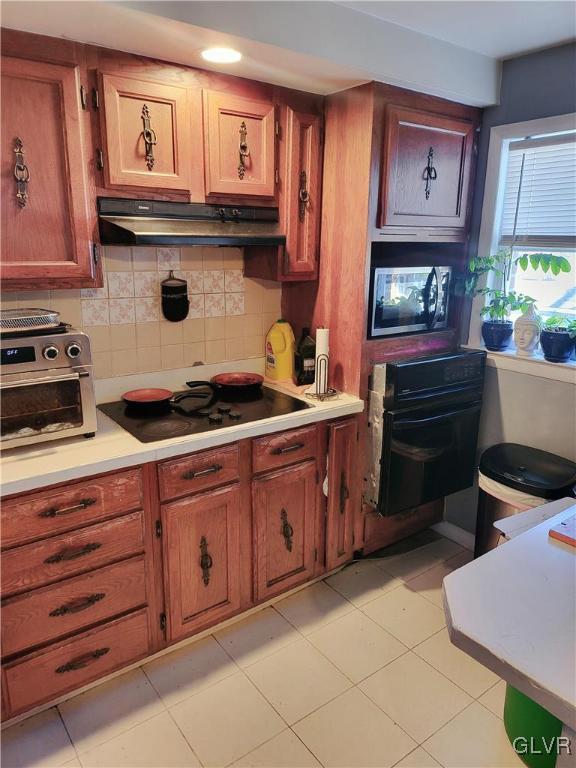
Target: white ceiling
[{"x": 497, "y": 28}]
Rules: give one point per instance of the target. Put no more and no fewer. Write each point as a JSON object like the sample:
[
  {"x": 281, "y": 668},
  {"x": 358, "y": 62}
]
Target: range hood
[{"x": 122, "y": 221}]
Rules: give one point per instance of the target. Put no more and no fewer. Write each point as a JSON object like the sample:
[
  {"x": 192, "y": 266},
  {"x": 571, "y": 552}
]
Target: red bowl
[
  {"x": 237, "y": 379},
  {"x": 147, "y": 396}
]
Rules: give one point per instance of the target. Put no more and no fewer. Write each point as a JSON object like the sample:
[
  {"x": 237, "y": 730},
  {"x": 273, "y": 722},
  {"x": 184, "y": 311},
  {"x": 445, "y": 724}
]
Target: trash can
[{"x": 513, "y": 478}]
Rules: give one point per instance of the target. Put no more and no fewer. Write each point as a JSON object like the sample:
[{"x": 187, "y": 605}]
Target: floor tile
[
  {"x": 462, "y": 558},
  {"x": 157, "y": 743},
  {"x": 110, "y": 709},
  {"x": 353, "y": 731},
  {"x": 362, "y": 581},
  {"x": 72, "y": 764},
  {"x": 474, "y": 739},
  {"x": 456, "y": 665},
  {"x": 418, "y": 759},
  {"x": 494, "y": 699},
  {"x": 356, "y": 645},
  {"x": 189, "y": 670},
  {"x": 405, "y": 614},
  {"x": 257, "y": 636},
  {"x": 429, "y": 583},
  {"x": 410, "y": 564},
  {"x": 297, "y": 680},
  {"x": 313, "y": 607},
  {"x": 226, "y": 721},
  {"x": 415, "y": 696},
  {"x": 38, "y": 741},
  {"x": 283, "y": 751}
]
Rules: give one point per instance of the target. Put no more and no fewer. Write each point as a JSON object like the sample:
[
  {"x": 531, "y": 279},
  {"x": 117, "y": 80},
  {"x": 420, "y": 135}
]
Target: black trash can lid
[{"x": 530, "y": 470}]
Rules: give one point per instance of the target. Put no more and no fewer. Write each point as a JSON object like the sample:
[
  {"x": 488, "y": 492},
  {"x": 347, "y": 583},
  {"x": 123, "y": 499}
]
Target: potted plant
[{"x": 557, "y": 338}]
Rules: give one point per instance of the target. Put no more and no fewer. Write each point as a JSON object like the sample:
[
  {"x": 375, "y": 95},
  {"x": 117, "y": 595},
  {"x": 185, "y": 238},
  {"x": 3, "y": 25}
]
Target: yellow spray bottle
[{"x": 280, "y": 345}]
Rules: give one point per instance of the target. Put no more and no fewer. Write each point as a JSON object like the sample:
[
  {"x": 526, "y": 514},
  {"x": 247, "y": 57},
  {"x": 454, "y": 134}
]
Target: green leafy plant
[
  {"x": 501, "y": 304},
  {"x": 560, "y": 324}
]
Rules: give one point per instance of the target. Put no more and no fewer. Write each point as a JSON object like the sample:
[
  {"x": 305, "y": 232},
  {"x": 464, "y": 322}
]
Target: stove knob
[
  {"x": 235, "y": 415},
  {"x": 215, "y": 418},
  {"x": 50, "y": 353},
  {"x": 224, "y": 409},
  {"x": 73, "y": 350},
  {"x": 203, "y": 412}
]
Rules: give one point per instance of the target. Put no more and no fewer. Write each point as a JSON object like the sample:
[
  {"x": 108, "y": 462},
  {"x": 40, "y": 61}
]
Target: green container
[{"x": 533, "y": 726}]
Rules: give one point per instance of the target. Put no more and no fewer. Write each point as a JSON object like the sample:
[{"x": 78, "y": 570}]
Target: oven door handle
[
  {"x": 44, "y": 380},
  {"x": 401, "y": 424}
]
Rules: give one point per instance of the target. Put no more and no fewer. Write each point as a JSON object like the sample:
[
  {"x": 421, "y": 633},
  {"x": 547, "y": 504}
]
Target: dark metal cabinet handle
[
  {"x": 344, "y": 493},
  {"x": 286, "y": 529},
  {"x": 287, "y": 449},
  {"x": 81, "y": 604},
  {"x": 243, "y": 150},
  {"x": 430, "y": 174},
  {"x": 303, "y": 196},
  {"x": 72, "y": 553},
  {"x": 192, "y": 474},
  {"x": 81, "y": 661},
  {"x": 206, "y": 561},
  {"x": 54, "y": 512},
  {"x": 149, "y": 136},
  {"x": 21, "y": 174}
]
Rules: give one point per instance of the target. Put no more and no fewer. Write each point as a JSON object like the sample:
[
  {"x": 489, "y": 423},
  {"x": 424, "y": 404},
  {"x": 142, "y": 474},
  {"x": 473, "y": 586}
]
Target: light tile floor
[{"x": 353, "y": 672}]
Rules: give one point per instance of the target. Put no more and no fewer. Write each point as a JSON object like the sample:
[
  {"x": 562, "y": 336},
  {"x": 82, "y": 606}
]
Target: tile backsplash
[{"x": 228, "y": 319}]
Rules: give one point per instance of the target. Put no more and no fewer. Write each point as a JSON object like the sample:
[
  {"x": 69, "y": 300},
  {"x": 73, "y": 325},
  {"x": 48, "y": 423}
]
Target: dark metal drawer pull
[
  {"x": 21, "y": 174},
  {"x": 81, "y": 661},
  {"x": 286, "y": 529},
  {"x": 344, "y": 493},
  {"x": 149, "y": 137},
  {"x": 206, "y": 561},
  {"x": 243, "y": 150},
  {"x": 72, "y": 553},
  {"x": 430, "y": 173},
  {"x": 55, "y": 512},
  {"x": 287, "y": 449},
  {"x": 192, "y": 474},
  {"x": 78, "y": 605}
]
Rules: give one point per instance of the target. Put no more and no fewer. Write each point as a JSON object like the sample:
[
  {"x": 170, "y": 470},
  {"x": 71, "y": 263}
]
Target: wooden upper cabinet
[
  {"x": 426, "y": 171},
  {"x": 239, "y": 142},
  {"x": 343, "y": 493},
  {"x": 202, "y": 559},
  {"x": 45, "y": 214},
  {"x": 147, "y": 127},
  {"x": 284, "y": 507}
]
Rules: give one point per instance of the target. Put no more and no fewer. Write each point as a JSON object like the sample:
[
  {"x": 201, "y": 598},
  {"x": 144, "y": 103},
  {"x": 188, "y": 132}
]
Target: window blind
[{"x": 539, "y": 207}]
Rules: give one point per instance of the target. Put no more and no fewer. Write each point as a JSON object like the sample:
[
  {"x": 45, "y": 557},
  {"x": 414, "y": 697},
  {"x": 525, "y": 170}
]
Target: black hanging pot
[
  {"x": 175, "y": 303},
  {"x": 497, "y": 334}
]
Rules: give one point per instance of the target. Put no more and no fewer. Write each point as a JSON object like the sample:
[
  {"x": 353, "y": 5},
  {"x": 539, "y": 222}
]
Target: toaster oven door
[{"x": 46, "y": 405}]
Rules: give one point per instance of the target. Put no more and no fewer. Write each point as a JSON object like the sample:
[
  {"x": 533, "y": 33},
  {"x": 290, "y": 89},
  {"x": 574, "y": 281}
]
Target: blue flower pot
[
  {"x": 497, "y": 334},
  {"x": 557, "y": 346}
]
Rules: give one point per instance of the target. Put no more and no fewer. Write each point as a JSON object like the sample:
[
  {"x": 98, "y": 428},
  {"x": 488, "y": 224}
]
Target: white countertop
[
  {"x": 514, "y": 610},
  {"x": 27, "y": 468}
]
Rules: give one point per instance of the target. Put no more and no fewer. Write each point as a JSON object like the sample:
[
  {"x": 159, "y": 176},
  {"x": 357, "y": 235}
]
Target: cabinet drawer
[
  {"x": 285, "y": 448},
  {"x": 44, "y": 562},
  {"x": 44, "y": 676},
  {"x": 46, "y": 614},
  {"x": 198, "y": 472},
  {"x": 44, "y": 513}
]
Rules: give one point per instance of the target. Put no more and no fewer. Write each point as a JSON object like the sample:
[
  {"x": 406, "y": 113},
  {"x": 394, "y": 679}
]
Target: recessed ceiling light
[{"x": 221, "y": 55}]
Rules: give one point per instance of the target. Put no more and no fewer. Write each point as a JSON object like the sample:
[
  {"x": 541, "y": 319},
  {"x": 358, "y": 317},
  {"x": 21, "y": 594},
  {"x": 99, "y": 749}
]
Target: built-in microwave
[{"x": 408, "y": 300}]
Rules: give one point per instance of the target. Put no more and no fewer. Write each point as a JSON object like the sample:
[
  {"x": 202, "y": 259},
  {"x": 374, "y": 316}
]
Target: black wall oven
[{"x": 424, "y": 420}]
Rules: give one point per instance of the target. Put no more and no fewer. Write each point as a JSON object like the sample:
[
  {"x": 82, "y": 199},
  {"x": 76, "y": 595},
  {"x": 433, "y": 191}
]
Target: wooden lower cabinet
[
  {"x": 202, "y": 560},
  {"x": 342, "y": 493},
  {"x": 284, "y": 507}
]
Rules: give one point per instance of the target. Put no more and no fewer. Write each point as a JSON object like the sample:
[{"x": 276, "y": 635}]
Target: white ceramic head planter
[{"x": 527, "y": 332}]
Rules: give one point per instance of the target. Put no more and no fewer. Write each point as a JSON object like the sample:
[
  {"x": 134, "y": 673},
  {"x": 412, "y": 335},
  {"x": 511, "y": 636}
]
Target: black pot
[
  {"x": 557, "y": 346},
  {"x": 497, "y": 334}
]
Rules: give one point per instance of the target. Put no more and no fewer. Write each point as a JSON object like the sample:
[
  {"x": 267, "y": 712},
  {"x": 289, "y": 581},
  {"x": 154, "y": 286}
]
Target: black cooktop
[{"x": 165, "y": 422}]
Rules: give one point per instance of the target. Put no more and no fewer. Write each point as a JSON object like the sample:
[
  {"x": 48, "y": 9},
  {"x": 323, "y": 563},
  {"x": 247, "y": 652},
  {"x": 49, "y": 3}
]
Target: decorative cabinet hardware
[
  {"x": 95, "y": 98},
  {"x": 158, "y": 529},
  {"x": 243, "y": 150},
  {"x": 163, "y": 622},
  {"x": 72, "y": 553},
  {"x": 99, "y": 159},
  {"x": 54, "y": 512},
  {"x": 81, "y": 661},
  {"x": 149, "y": 137},
  {"x": 206, "y": 561},
  {"x": 193, "y": 474},
  {"x": 21, "y": 174},
  {"x": 95, "y": 254},
  {"x": 76, "y": 606},
  {"x": 344, "y": 492},
  {"x": 286, "y": 529},
  {"x": 430, "y": 174},
  {"x": 303, "y": 196},
  {"x": 287, "y": 449},
  {"x": 83, "y": 99}
]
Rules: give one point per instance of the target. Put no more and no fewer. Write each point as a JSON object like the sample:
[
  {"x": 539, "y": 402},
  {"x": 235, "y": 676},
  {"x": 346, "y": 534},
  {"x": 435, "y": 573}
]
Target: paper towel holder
[{"x": 321, "y": 381}]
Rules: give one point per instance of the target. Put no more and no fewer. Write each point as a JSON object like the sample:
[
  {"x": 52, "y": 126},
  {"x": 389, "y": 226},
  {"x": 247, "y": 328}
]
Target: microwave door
[{"x": 431, "y": 297}]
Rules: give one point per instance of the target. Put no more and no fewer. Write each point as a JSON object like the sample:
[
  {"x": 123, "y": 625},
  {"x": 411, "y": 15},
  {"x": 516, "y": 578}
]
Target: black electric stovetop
[{"x": 165, "y": 422}]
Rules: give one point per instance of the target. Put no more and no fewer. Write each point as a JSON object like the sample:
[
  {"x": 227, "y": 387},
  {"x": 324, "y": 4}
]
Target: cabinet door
[
  {"x": 341, "y": 506},
  {"x": 284, "y": 505},
  {"x": 239, "y": 136},
  {"x": 148, "y": 133},
  {"x": 45, "y": 215},
  {"x": 301, "y": 193},
  {"x": 201, "y": 560},
  {"x": 427, "y": 168}
]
